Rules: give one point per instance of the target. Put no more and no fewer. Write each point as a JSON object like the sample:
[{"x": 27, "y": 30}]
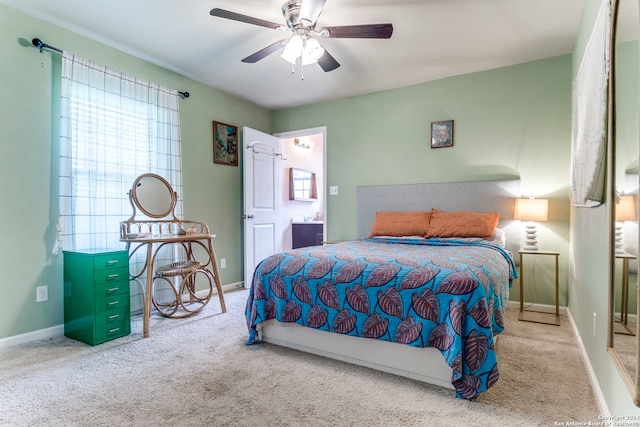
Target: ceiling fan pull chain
[{"x": 301, "y": 71}]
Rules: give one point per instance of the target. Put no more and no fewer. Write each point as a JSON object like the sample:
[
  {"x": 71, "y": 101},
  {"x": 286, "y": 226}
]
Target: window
[{"x": 113, "y": 128}]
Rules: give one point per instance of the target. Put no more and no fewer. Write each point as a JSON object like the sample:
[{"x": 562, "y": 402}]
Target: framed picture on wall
[
  {"x": 225, "y": 144},
  {"x": 442, "y": 134}
]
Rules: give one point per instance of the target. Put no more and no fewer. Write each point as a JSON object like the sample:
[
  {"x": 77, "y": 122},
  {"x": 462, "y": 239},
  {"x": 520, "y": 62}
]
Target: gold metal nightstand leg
[{"x": 521, "y": 291}]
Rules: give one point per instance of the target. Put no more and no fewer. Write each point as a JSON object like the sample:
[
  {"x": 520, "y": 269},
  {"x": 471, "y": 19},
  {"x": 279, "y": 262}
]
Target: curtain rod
[{"x": 42, "y": 45}]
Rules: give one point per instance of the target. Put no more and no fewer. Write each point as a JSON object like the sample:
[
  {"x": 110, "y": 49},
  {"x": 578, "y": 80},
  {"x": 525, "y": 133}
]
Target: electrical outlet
[
  {"x": 594, "y": 324},
  {"x": 223, "y": 263},
  {"x": 333, "y": 190},
  {"x": 42, "y": 293}
]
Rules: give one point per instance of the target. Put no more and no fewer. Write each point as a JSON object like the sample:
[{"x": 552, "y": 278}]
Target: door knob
[{"x": 245, "y": 216}]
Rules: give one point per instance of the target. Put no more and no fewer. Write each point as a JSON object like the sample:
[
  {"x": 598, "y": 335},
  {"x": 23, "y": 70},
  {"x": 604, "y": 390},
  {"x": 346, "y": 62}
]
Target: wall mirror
[
  {"x": 623, "y": 275},
  {"x": 302, "y": 185},
  {"x": 153, "y": 195}
]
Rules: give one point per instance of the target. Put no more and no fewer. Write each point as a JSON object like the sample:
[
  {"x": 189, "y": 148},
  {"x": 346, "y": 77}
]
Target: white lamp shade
[
  {"x": 532, "y": 210},
  {"x": 293, "y": 50},
  {"x": 312, "y": 52},
  {"x": 626, "y": 209}
]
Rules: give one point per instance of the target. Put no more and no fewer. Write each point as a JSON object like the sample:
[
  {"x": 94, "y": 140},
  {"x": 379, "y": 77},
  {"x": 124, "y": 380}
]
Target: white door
[{"x": 262, "y": 179}]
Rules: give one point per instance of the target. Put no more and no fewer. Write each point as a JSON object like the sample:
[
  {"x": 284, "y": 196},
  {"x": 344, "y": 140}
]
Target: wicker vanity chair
[{"x": 184, "y": 286}]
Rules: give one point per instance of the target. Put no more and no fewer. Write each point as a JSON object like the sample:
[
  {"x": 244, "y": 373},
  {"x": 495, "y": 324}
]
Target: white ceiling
[{"x": 432, "y": 39}]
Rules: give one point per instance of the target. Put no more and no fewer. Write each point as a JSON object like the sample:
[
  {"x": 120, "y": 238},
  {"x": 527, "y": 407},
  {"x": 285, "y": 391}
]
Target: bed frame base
[{"x": 422, "y": 364}]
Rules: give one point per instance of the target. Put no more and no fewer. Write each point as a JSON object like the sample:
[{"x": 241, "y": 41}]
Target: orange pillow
[
  {"x": 398, "y": 224},
  {"x": 462, "y": 224}
]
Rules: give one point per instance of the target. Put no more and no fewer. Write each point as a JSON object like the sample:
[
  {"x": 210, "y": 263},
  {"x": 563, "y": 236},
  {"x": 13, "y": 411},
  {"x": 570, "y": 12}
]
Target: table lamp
[
  {"x": 531, "y": 210},
  {"x": 625, "y": 211}
]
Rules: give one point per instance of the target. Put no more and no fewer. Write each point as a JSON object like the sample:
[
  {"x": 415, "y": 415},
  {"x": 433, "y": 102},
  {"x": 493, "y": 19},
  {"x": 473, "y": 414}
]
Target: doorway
[
  {"x": 268, "y": 212},
  {"x": 303, "y": 150}
]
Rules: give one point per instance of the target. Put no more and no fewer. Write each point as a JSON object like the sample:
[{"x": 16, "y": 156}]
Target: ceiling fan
[{"x": 300, "y": 18}]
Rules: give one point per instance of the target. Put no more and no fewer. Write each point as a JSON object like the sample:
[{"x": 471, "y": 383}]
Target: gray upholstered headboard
[{"x": 474, "y": 196}]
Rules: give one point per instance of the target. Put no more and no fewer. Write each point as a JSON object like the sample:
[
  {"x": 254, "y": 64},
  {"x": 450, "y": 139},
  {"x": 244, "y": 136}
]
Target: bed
[{"x": 427, "y": 308}]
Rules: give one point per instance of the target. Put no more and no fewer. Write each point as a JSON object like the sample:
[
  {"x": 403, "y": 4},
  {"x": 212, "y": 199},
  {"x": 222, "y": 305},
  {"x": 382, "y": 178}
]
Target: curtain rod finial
[{"x": 38, "y": 43}]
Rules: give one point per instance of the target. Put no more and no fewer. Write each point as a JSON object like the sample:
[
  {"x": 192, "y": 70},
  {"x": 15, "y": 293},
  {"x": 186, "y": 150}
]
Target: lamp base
[
  {"x": 530, "y": 237},
  {"x": 619, "y": 244}
]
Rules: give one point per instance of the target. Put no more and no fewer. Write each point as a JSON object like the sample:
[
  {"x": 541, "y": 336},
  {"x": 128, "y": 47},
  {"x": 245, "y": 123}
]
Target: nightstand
[{"x": 556, "y": 254}]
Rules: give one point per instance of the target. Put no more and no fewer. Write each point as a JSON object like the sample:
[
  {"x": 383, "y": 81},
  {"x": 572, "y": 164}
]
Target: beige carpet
[{"x": 199, "y": 372}]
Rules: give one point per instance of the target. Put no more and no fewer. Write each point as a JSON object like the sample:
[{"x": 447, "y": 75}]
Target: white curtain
[
  {"x": 113, "y": 127},
  {"x": 589, "y": 121}
]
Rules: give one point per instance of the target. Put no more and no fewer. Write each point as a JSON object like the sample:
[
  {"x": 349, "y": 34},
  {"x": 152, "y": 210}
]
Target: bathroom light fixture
[
  {"x": 531, "y": 210},
  {"x": 302, "y": 143}
]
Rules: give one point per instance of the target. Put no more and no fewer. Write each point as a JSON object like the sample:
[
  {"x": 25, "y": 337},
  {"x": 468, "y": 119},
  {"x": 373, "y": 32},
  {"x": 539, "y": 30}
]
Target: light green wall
[
  {"x": 588, "y": 276},
  {"x": 28, "y": 163},
  {"x": 513, "y": 121}
]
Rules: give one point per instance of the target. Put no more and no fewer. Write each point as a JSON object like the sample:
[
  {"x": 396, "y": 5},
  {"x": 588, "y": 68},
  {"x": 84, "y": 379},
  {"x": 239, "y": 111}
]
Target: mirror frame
[
  {"x": 313, "y": 190},
  {"x": 135, "y": 201},
  {"x": 631, "y": 380}
]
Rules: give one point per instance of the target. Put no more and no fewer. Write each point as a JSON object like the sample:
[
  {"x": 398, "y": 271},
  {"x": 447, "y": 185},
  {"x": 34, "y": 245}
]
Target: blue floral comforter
[{"x": 442, "y": 293}]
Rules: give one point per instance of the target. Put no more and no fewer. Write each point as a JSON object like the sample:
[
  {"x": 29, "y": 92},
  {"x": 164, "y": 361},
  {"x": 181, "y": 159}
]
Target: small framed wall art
[
  {"x": 225, "y": 144},
  {"x": 442, "y": 134}
]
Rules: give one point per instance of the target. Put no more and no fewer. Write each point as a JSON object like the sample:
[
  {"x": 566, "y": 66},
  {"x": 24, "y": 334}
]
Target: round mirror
[{"x": 153, "y": 195}]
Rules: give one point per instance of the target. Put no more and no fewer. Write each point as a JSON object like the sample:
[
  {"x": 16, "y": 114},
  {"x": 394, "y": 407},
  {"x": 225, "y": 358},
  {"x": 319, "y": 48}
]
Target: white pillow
[{"x": 498, "y": 237}]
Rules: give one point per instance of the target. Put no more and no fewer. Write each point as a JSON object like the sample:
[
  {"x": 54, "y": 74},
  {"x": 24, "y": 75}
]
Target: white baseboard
[
  {"x": 58, "y": 330},
  {"x": 601, "y": 402},
  {"x": 52, "y": 332}
]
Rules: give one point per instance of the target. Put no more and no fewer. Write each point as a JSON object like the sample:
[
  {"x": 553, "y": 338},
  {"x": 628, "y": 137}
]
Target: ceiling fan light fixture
[
  {"x": 301, "y": 19},
  {"x": 293, "y": 50},
  {"x": 312, "y": 52}
]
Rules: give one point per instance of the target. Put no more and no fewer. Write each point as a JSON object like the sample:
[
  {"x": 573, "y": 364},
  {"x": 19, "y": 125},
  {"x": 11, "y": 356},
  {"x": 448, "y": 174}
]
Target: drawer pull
[
  {"x": 114, "y": 331},
  {"x": 112, "y": 291},
  {"x": 112, "y": 276},
  {"x": 111, "y": 263},
  {"x": 113, "y": 303},
  {"x": 113, "y": 317}
]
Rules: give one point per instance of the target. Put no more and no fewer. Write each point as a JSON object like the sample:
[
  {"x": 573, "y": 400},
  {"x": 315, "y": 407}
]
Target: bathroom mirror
[
  {"x": 624, "y": 152},
  {"x": 153, "y": 195},
  {"x": 302, "y": 185}
]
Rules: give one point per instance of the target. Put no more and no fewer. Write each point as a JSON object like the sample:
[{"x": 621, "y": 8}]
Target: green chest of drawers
[{"x": 96, "y": 295}]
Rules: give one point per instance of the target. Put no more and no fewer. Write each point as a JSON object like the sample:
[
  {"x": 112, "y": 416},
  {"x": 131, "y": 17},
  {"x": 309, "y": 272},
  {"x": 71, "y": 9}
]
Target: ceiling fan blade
[
  {"x": 262, "y": 53},
  {"x": 310, "y": 10},
  {"x": 370, "y": 31},
  {"x": 221, "y": 13},
  {"x": 328, "y": 62}
]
